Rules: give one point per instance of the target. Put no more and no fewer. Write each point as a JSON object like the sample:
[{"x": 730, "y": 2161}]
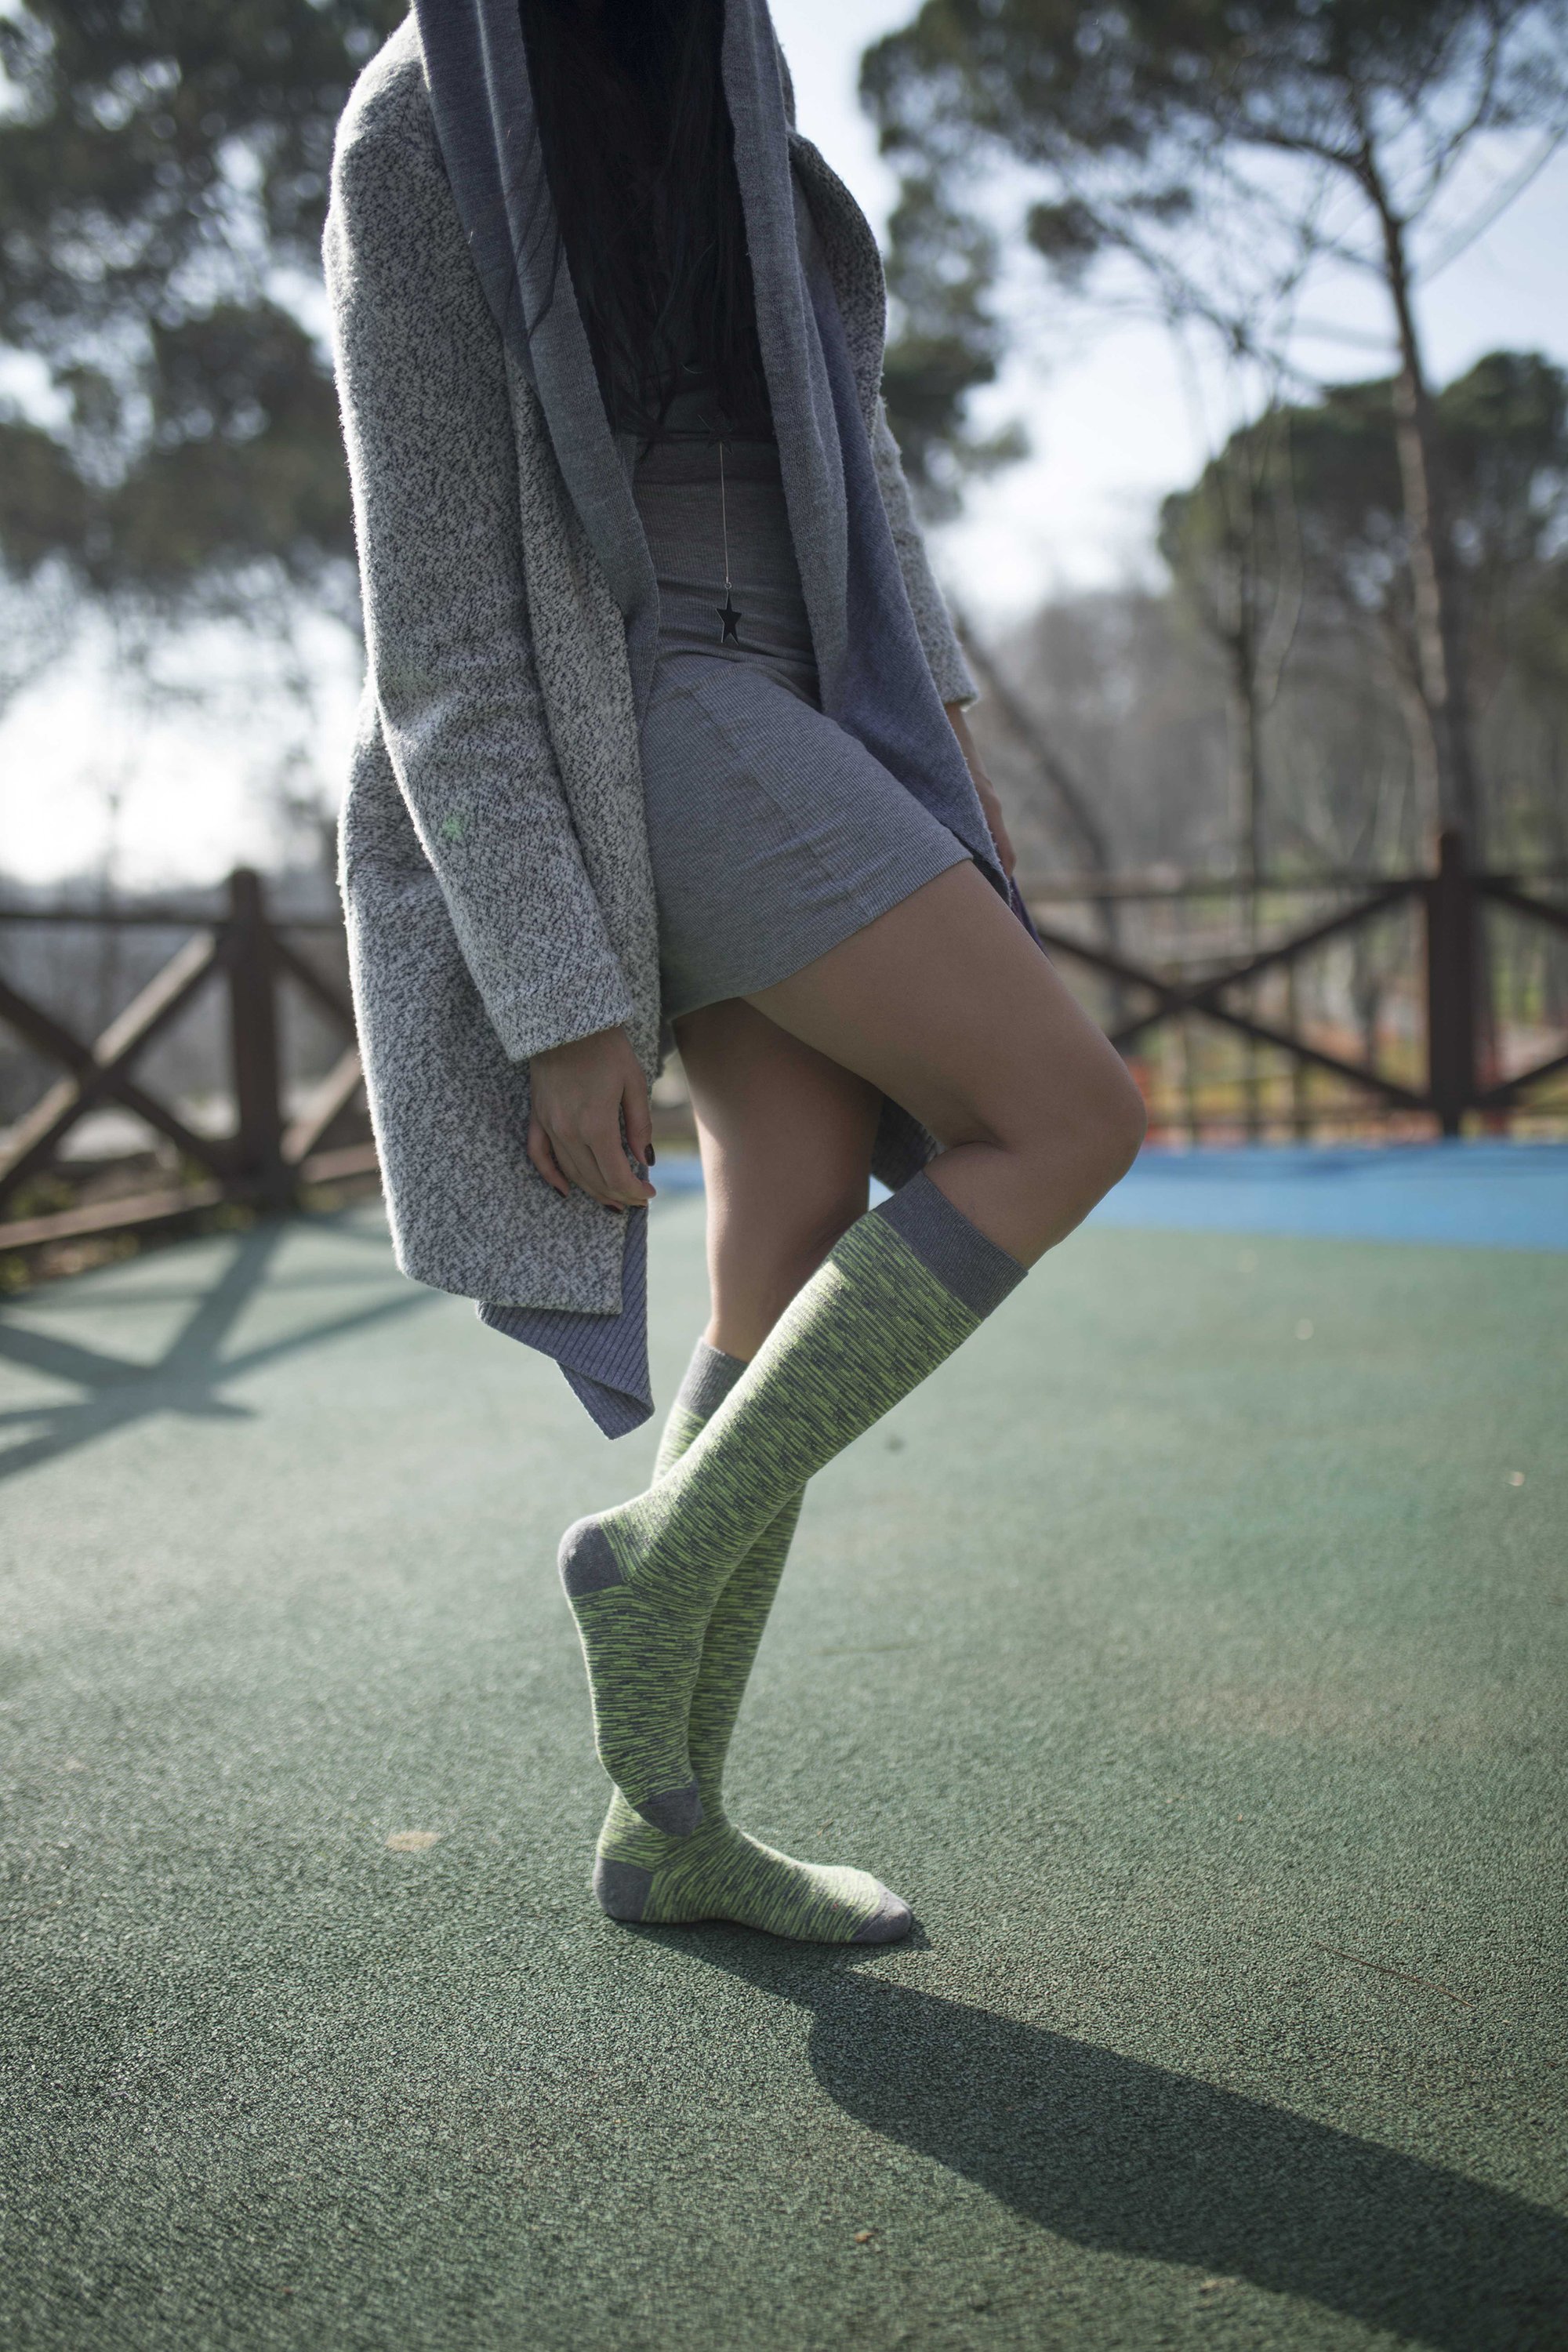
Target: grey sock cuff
[
  {"x": 709, "y": 1377},
  {"x": 978, "y": 1272}
]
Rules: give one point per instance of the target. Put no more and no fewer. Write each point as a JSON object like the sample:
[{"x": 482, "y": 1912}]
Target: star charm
[{"x": 730, "y": 618}]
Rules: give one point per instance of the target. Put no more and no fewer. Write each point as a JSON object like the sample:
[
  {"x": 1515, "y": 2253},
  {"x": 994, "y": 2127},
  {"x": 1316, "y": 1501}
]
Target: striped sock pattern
[
  {"x": 905, "y": 1287},
  {"x": 718, "y": 1872}
]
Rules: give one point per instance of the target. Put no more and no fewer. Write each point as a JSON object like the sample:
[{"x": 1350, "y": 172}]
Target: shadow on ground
[
  {"x": 117, "y": 1391},
  {"x": 1129, "y": 2158}
]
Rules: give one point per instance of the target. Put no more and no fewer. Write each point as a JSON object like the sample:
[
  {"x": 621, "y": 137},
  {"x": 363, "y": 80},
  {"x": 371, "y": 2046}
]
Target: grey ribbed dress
[{"x": 775, "y": 833}]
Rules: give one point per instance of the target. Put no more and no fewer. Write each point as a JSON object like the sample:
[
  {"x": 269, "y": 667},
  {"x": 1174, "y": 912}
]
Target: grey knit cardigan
[{"x": 495, "y": 863}]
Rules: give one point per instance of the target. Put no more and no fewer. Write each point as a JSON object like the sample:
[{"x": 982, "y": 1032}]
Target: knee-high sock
[
  {"x": 644, "y": 1874},
  {"x": 734, "y": 1630},
  {"x": 905, "y": 1287}
]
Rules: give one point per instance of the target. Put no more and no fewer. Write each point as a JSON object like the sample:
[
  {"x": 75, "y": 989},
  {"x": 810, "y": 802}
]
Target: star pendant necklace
[{"x": 726, "y": 610}]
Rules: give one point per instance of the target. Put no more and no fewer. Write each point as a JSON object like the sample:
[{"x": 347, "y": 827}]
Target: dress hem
[{"x": 912, "y": 876}]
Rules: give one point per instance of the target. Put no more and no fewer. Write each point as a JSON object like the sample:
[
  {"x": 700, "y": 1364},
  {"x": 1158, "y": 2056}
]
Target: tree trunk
[
  {"x": 1448, "y": 754},
  {"x": 1072, "y": 802},
  {"x": 1244, "y": 736}
]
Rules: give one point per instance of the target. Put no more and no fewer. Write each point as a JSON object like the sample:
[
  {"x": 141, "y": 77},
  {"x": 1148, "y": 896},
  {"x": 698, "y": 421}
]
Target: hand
[
  {"x": 990, "y": 806},
  {"x": 582, "y": 1093}
]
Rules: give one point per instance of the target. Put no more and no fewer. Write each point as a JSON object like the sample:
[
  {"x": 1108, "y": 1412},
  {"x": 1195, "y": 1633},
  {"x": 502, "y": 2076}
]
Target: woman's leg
[
  {"x": 785, "y": 1135},
  {"x": 947, "y": 1005},
  {"x": 785, "y": 1138}
]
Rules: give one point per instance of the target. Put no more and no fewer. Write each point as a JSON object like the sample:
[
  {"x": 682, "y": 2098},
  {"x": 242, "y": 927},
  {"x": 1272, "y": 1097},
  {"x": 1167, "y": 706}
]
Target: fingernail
[{"x": 650, "y": 1155}]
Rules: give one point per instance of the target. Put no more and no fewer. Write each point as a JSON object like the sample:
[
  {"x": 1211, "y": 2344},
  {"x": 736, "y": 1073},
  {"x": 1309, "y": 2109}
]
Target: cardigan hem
[{"x": 603, "y": 1356}]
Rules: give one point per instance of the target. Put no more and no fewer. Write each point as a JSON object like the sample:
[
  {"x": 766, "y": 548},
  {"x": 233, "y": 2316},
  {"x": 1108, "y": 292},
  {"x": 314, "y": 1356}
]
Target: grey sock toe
[
  {"x": 677, "y": 1811},
  {"x": 889, "y": 1922}
]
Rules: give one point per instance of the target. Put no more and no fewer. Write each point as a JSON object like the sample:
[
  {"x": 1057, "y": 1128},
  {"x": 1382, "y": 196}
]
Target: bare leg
[
  {"x": 945, "y": 1003},
  {"x": 785, "y": 1137}
]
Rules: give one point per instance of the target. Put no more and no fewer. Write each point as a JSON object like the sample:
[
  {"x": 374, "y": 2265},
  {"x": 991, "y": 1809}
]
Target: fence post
[
  {"x": 260, "y": 1175},
  {"x": 1451, "y": 946}
]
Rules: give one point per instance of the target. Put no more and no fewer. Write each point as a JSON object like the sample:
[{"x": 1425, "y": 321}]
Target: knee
[
  {"x": 1122, "y": 1122},
  {"x": 1096, "y": 1135}
]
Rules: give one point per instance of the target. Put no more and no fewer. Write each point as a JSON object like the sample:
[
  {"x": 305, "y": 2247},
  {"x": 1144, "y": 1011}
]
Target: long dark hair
[{"x": 638, "y": 150}]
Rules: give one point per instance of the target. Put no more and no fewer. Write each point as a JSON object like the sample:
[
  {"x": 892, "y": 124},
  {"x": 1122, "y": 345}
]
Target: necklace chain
[
  {"x": 724, "y": 517},
  {"x": 726, "y": 610}
]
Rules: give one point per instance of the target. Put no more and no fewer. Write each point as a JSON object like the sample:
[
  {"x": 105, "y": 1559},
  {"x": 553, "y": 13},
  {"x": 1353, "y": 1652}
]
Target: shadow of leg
[{"x": 1132, "y": 2159}]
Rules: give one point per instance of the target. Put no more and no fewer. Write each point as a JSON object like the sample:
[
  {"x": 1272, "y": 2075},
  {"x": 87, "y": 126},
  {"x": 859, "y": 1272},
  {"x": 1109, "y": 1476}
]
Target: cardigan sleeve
[
  {"x": 954, "y": 680},
  {"x": 428, "y": 428}
]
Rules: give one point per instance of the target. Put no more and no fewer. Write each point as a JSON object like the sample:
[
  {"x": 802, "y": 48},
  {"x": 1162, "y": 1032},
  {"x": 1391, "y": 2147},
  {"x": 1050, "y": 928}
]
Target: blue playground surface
[{"x": 1487, "y": 1195}]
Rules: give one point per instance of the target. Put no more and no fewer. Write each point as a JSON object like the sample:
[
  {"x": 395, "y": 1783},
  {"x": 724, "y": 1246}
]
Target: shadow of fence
[{"x": 192, "y": 1373}]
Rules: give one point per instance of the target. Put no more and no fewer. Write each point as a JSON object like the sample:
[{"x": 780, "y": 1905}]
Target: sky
[{"x": 89, "y": 782}]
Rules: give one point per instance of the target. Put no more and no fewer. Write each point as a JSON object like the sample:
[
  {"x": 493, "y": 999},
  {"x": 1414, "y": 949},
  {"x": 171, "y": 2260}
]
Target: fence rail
[
  {"x": 1232, "y": 983},
  {"x": 1449, "y": 975},
  {"x": 267, "y": 1160}
]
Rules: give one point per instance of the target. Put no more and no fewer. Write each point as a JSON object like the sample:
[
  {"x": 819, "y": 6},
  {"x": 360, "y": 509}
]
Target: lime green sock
[
  {"x": 905, "y": 1287},
  {"x": 718, "y": 1872}
]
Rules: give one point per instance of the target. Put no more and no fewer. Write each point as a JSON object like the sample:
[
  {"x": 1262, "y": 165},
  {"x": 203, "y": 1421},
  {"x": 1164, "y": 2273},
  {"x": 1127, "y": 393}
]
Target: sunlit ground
[{"x": 1190, "y": 1653}]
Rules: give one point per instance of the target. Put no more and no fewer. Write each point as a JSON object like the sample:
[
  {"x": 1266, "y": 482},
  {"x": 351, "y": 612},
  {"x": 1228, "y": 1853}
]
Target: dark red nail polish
[{"x": 650, "y": 1155}]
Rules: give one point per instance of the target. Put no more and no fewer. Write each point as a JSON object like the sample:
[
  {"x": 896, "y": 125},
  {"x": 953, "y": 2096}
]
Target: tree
[
  {"x": 163, "y": 179},
  {"x": 1333, "y": 540},
  {"x": 1223, "y": 152},
  {"x": 945, "y": 343},
  {"x": 1231, "y": 543}
]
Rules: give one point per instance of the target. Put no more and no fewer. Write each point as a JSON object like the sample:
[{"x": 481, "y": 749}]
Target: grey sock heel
[{"x": 622, "y": 1889}]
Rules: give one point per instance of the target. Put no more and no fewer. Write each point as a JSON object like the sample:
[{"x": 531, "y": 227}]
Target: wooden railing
[
  {"x": 1454, "y": 1054},
  {"x": 266, "y": 1159},
  {"x": 1149, "y": 992}
]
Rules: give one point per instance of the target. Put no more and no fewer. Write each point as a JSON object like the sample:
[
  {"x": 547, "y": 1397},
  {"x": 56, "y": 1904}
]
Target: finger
[
  {"x": 615, "y": 1168},
  {"x": 577, "y": 1158},
  {"x": 639, "y": 1115},
  {"x": 543, "y": 1158}
]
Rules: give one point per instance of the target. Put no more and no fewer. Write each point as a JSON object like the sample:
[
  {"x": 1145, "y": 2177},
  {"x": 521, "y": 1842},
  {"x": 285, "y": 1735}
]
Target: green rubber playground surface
[{"x": 1190, "y": 1653}]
